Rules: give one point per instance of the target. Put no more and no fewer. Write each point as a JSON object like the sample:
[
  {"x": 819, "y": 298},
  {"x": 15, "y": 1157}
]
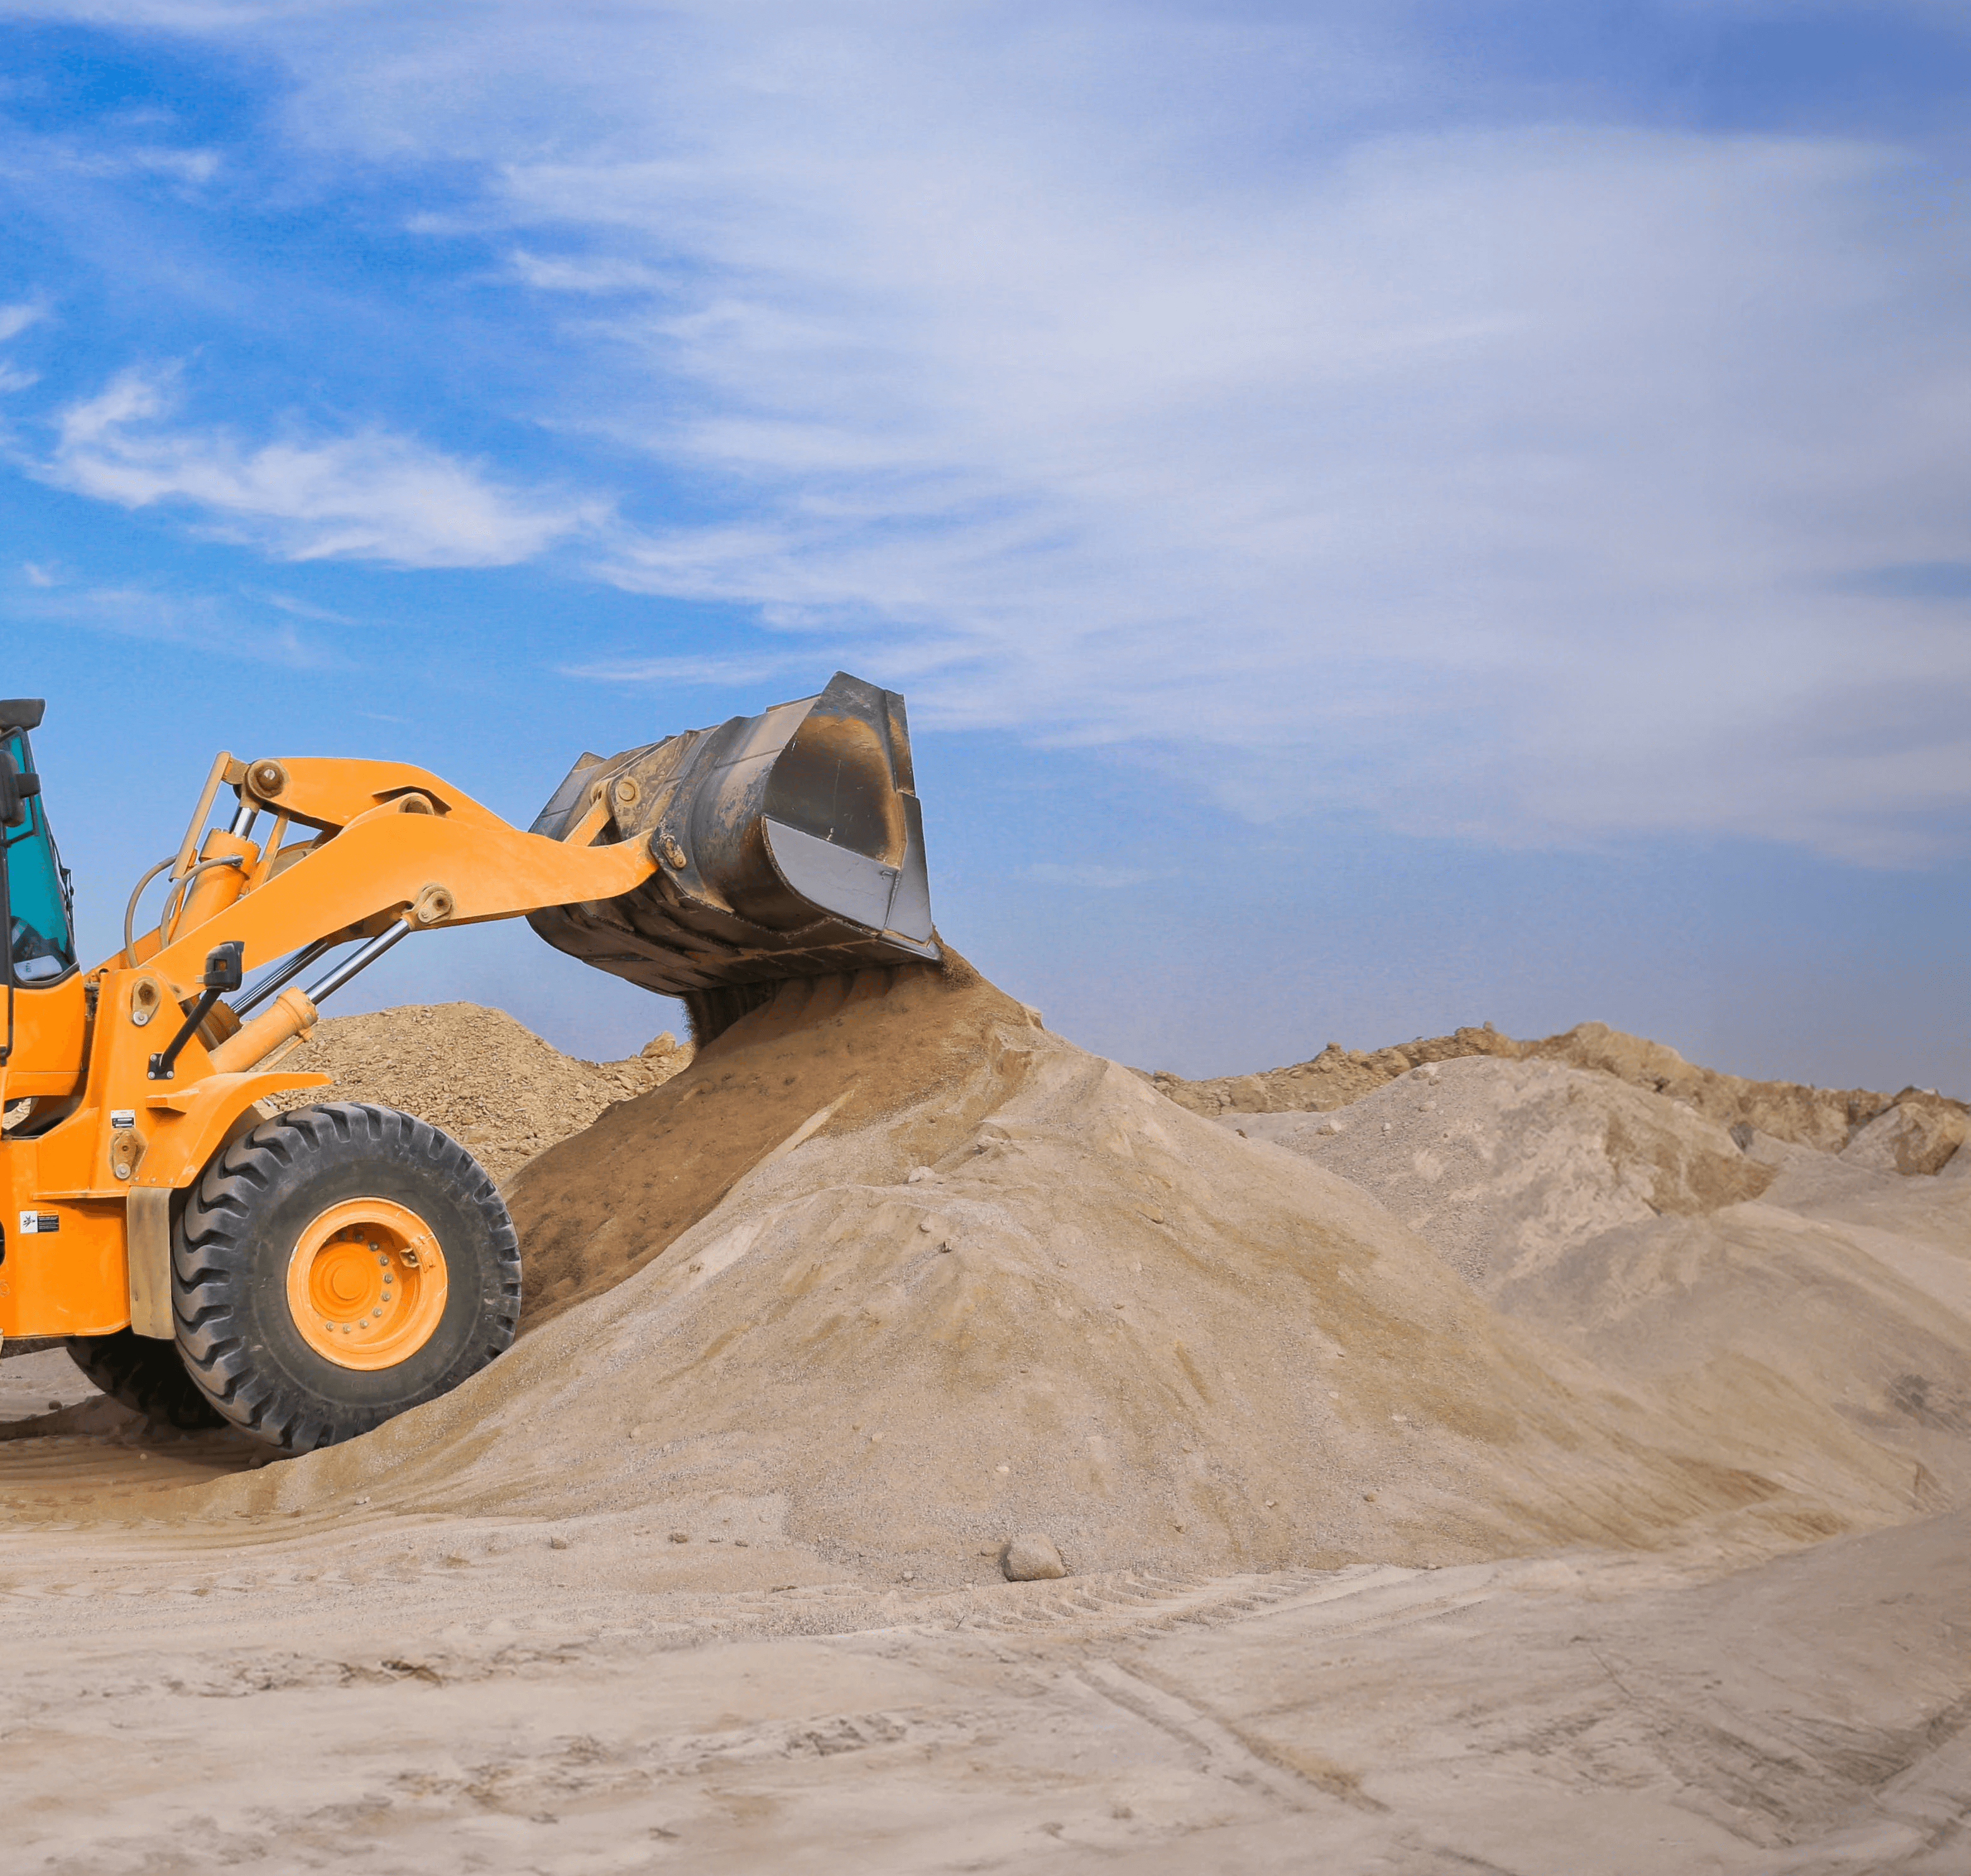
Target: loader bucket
[{"x": 788, "y": 845}]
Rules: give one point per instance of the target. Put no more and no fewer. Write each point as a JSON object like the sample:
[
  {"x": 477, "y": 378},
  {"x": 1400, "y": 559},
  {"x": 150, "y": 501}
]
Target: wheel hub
[{"x": 367, "y": 1283}]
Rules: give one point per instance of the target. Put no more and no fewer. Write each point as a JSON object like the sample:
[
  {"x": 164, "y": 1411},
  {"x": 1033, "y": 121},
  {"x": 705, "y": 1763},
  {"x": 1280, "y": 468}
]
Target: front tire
[{"x": 338, "y": 1265}]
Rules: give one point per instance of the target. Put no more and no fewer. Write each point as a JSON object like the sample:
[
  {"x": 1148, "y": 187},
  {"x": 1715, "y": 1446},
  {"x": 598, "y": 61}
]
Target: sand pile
[
  {"x": 1502, "y": 1165},
  {"x": 1915, "y": 1131},
  {"x": 894, "y": 1271},
  {"x": 484, "y": 1078},
  {"x": 1848, "y": 1289},
  {"x": 1775, "y": 1284}
]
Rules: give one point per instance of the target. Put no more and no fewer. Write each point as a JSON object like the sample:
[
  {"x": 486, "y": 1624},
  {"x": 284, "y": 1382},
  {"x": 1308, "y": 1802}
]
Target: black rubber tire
[
  {"x": 148, "y": 1374},
  {"x": 229, "y": 1257}
]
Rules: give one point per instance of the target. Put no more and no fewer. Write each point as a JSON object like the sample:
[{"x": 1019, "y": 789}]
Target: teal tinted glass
[{"x": 43, "y": 948}]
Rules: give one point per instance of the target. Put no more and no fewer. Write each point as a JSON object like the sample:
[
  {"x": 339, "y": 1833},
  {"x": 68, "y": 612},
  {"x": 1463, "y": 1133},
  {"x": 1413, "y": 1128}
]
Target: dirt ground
[{"x": 1515, "y": 1467}]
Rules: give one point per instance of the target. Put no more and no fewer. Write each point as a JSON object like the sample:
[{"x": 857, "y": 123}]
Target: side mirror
[
  {"x": 15, "y": 790},
  {"x": 224, "y": 968}
]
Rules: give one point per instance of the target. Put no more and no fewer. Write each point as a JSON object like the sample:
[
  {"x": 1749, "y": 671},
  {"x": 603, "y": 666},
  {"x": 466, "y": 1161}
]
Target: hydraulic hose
[
  {"x": 177, "y": 885},
  {"x": 362, "y": 960},
  {"x": 294, "y": 1012},
  {"x": 130, "y": 912}
]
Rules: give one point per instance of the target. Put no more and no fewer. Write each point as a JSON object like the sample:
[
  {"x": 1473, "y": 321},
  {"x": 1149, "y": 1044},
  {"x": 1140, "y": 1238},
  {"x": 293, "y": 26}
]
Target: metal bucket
[{"x": 789, "y": 844}]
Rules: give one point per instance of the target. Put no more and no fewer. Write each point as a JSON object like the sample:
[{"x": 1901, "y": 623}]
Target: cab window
[{"x": 37, "y": 890}]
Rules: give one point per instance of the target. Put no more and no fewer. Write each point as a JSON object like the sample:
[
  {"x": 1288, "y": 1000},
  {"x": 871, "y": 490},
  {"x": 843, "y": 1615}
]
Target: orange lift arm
[{"x": 151, "y": 1093}]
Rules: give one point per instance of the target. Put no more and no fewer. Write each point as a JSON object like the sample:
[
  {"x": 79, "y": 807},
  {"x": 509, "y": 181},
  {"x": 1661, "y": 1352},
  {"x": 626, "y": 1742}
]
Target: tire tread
[{"x": 214, "y": 1261}]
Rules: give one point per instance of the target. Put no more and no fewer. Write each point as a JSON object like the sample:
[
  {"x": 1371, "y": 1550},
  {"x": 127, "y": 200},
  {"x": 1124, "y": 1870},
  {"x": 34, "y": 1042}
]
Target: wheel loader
[{"x": 306, "y": 1275}]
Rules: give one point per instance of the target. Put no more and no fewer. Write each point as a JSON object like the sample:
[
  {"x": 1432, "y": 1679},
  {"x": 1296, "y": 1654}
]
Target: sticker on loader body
[{"x": 34, "y": 1223}]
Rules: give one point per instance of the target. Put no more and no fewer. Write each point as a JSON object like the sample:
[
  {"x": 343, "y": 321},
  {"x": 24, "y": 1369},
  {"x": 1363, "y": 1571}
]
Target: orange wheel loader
[{"x": 307, "y": 1274}]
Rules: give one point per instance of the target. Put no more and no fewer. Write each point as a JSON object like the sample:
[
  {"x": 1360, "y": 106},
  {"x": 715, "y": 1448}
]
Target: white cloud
[
  {"x": 371, "y": 496},
  {"x": 185, "y": 166},
  {"x": 1186, "y": 379},
  {"x": 684, "y": 670},
  {"x": 557, "y": 274},
  {"x": 1103, "y": 879},
  {"x": 300, "y": 609},
  {"x": 1511, "y": 484},
  {"x": 195, "y": 620},
  {"x": 16, "y": 318}
]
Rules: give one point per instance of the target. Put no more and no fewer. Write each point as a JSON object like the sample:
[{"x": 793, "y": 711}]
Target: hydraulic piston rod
[{"x": 294, "y": 1012}]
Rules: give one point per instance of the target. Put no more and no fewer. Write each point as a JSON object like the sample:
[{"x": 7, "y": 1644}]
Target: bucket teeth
[{"x": 789, "y": 844}]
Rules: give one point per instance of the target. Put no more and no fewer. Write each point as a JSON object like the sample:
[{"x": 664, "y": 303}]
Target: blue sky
[{"x": 1386, "y": 516}]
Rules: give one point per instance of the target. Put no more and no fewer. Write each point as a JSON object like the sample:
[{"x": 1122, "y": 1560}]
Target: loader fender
[
  {"x": 183, "y": 1128},
  {"x": 185, "y": 1131}
]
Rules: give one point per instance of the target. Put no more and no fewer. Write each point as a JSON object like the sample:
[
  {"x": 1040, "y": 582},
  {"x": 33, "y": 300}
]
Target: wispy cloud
[
  {"x": 369, "y": 496},
  {"x": 201, "y": 620},
  {"x": 185, "y": 166},
  {"x": 301, "y": 609},
  {"x": 1204, "y": 379},
  {"x": 1103, "y": 879},
  {"x": 582, "y": 274},
  {"x": 15, "y": 319},
  {"x": 686, "y": 670},
  {"x": 1505, "y": 484}
]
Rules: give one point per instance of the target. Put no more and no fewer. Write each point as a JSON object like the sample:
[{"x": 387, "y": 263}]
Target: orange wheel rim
[{"x": 367, "y": 1283}]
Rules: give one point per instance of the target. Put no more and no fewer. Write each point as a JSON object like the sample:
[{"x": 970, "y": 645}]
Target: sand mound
[
  {"x": 839, "y": 1053},
  {"x": 484, "y": 1078},
  {"x": 1779, "y": 1285},
  {"x": 1501, "y": 1165},
  {"x": 893, "y": 1270},
  {"x": 1852, "y": 1294},
  {"x": 1926, "y": 1129}
]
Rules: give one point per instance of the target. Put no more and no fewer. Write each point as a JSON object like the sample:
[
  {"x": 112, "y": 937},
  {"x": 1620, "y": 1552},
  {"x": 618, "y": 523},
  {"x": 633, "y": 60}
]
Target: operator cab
[{"x": 36, "y": 900}]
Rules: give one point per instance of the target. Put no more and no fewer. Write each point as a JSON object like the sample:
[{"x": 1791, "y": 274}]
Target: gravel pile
[{"x": 486, "y": 1079}]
